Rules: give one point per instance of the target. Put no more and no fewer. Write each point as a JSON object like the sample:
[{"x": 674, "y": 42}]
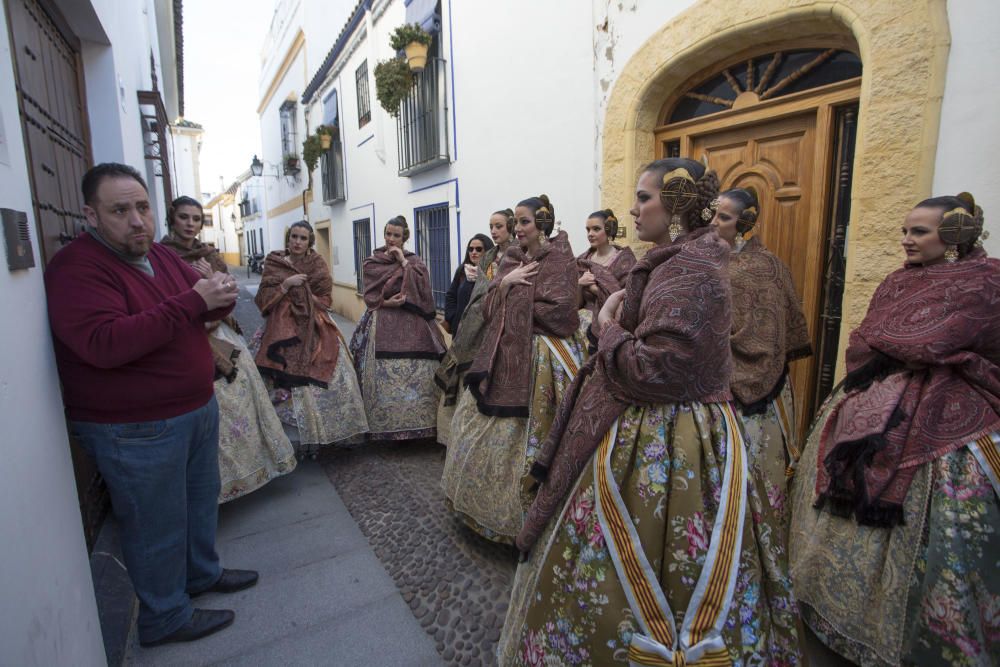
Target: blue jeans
[{"x": 163, "y": 477}]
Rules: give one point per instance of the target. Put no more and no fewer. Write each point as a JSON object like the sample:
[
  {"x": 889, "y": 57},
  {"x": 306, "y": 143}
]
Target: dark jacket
[{"x": 457, "y": 299}]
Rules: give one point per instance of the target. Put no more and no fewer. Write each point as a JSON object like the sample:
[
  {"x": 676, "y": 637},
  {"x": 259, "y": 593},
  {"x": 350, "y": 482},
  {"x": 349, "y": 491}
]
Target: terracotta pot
[
  {"x": 324, "y": 141},
  {"x": 416, "y": 56}
]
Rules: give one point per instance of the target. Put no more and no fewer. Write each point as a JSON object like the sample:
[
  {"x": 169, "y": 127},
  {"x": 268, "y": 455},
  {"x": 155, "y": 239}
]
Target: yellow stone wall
[
  {"x": 232, "y": 258},
  {"x": 346, "y": 301},
  {"x": 903, "y": 46}
]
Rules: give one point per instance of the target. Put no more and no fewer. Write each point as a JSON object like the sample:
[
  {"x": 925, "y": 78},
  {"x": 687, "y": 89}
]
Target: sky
[{"x": 222, "y": 42}]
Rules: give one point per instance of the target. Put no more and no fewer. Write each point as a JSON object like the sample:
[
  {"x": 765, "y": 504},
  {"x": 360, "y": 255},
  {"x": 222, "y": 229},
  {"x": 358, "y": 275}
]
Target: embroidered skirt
[
  {"x": 253, "y": 447},
  {"x": 334, "y": 415},
  {"x": 400, "y": 397},
  {"x": 926, "y": 592},
  {"x": 653, "y": 559},
  {"x": 485, "y": 476}
]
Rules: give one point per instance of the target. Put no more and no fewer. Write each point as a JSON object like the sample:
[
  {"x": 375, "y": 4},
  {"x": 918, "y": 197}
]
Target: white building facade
[{"x": 81, "y": 82}]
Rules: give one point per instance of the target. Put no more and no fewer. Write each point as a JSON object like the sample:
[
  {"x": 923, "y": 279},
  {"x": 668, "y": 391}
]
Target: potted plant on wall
[
  {"x": 415, "y": 41},
  {"x": 393, "y": 81},
  {"x": 312, "y": 148},
  {"x": 325, "y": 133},
  {"x": 290, "y": 161}
]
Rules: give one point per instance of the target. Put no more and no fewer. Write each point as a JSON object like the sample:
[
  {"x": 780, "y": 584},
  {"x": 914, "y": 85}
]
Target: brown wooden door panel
[{"x": 777, "y": 159}]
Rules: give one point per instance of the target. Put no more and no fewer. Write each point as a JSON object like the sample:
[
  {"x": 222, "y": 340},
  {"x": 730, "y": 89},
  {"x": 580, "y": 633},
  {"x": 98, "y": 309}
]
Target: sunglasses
[{"x": 476, "y": 249}]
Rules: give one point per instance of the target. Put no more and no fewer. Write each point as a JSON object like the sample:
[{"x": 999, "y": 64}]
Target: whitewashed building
[{"x": 81, "y": 82}]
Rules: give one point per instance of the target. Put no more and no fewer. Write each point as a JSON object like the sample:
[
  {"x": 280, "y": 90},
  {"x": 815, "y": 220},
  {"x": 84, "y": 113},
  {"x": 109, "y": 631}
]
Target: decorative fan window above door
[{"x": 765, "y": 77}]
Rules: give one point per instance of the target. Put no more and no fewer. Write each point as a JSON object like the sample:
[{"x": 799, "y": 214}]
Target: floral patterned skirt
[
  {"x": 486, "y": 478},
  {"x": 926, "y": 592},
  {"x": 334, "y": 415},
  {"x": 654, "y": 553},
  {"x": 253, "y": 447},
  {"x": 400, "y": 397}
]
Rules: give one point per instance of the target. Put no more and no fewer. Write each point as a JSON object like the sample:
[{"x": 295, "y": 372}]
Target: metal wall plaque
[{"x": 20, "y": 254}]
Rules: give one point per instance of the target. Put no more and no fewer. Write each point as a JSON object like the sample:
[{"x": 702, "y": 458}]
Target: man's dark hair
[{"x": 92, "y": 179}]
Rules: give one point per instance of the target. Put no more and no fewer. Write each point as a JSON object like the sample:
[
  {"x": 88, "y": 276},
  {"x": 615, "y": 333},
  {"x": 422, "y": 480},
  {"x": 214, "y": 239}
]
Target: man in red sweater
[{"x": 128, "y": 321}]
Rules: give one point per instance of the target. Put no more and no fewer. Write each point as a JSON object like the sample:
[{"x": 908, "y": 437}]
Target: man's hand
[
  {"x": 202, "y": 266},
  {"x": 219, "y": 291},
  {"x": 293, "y": 281}
]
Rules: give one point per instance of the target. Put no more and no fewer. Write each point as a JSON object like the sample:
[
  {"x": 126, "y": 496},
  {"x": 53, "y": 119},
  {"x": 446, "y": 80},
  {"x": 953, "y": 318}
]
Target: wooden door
[
  {"x": 778, "y": 160},
  {"x": 50, "y": 99}
]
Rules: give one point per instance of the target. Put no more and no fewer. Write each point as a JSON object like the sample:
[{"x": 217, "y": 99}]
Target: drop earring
[
  {"x": 740, "y": 242},
  {"x": 951, "y": 254},
  {"x": 675, "y": 228}
]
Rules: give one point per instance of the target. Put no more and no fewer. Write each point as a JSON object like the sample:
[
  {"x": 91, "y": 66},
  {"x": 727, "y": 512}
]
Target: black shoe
[
  {"x": 203, "y": 623},
  {"x": 230, "y": 582}
]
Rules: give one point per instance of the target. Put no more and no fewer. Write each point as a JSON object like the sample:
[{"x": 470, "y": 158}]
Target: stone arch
[{"x": 903, "y": 46}]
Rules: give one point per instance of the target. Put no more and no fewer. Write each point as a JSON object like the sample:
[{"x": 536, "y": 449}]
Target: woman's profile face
[
  {"x": 524, "y": 229},
  {"x": 298, "y": 241},
  {"x": 920, "y": 236},
  {"x": 596, "y": 234},
  {"x": 393, "y": 236},
  {"x": 498, "y": 228},
  {"x": 651, "y": 220},
  {"x": 726, "y": 217},
  {"x": 187, "y": 222}
]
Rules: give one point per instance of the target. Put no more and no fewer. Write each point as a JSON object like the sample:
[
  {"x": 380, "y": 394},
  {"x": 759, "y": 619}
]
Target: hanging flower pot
[
  {"x": 414, "y": 40},
  {"x": 325, "y": 140},
  {"x": 416, "y": 56}
]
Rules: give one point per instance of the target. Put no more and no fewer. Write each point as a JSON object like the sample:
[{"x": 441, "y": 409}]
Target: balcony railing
[{"x": 422, "y": 125}]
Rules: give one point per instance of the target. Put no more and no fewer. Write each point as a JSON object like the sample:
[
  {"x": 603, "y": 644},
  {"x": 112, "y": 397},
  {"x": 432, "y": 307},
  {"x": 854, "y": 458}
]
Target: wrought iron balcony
[{"x": 422, "y": 124}]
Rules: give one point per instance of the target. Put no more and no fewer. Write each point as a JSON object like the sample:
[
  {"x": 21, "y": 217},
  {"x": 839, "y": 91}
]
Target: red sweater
[{"x": 130, "y": 347}]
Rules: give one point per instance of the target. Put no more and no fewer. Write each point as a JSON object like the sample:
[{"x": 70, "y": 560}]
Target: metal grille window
[
  {"x": 362, "y": 248},
  {"x": 432, "y": 246},
  {"x": 287, "y": 116},
  {"x": 332, "y": 165},
  {"x": 422, "y": 124},
  {"x": 364, "y": 99}
]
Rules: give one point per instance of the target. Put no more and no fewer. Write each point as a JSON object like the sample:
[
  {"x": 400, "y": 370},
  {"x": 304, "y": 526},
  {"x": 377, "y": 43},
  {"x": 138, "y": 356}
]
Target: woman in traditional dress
[
  {"x": 302, "y": 352},
  {"x": 769, "y": 332},
  {"x": 397, "y": 344},
  {"x": 603, "y": 266},
  {"x": 465, "y": 343},
  {"x": 529, "y": 354},
  {"x": 639, "y": 544},
  {"x": 464, "y": 282},
  {"x": 895, "y": 535},
  {"x": 253, "y": 448}
]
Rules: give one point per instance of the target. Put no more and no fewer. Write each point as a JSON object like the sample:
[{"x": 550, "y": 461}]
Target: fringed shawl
[
  {"x": 672, "y": 345},
  {"x": 769, "y": 329},
  {"x": 459, "y": 357},
  {"x": 923, "y": 380},
  {"x": 409, "y": 331},
  {"x": 500, "y": 377},
  {"x": 300, "y": 344},
  {"x": 224, "y": 354},
  {"x": 610, "y": 278}
]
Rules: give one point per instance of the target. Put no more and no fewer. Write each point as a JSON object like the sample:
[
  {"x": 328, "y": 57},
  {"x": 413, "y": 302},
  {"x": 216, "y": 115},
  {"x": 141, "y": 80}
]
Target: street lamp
[{"x": 256, "y": 167}]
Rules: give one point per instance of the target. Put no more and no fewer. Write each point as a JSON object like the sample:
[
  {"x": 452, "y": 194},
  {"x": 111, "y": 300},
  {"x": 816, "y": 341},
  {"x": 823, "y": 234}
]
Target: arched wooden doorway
[{"x": 783, "y": 122}]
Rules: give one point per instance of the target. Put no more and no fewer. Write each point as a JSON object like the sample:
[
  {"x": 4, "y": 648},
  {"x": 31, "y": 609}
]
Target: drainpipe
[{"x": 373, "y": 59}]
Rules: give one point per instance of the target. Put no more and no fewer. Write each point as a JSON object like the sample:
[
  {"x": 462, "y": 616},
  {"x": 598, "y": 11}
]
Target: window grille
[
  {"x": 364, "y": 99},
  {"x": 422, "y": 124},
  {"x": 433, "y": 240},
  {"x": 287, "y": 116},
  {"x": 362, "y": 248},
  {"x": 332, "y": 164}
]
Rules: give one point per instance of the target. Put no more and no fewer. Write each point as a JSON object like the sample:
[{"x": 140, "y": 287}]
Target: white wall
[
  {"x": 969, "y": 139},
  {"x": 185, "y": 145},
  {"x": 48, "y": 615}
]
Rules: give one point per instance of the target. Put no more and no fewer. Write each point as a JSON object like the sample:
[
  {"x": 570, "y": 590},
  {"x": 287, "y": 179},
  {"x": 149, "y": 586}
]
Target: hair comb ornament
[
  {"x": 678, "y": 194},
  {"x": 708, "y": 213},
  {"x": 958, "y": 226}
]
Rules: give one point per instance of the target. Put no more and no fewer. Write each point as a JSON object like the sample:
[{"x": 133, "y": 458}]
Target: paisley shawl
[
  {"x": 465, "y": 344},
  {"x": 300, "y": 343},
  {"x": 769, "y": 329},
  {"x": 671, "y": 345},
  {"x": 609, "y": 278},
  {"x": 409, "y": 331},
  {"x": 923, "y": 380},
  {"x": 500, "y": 377}
]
